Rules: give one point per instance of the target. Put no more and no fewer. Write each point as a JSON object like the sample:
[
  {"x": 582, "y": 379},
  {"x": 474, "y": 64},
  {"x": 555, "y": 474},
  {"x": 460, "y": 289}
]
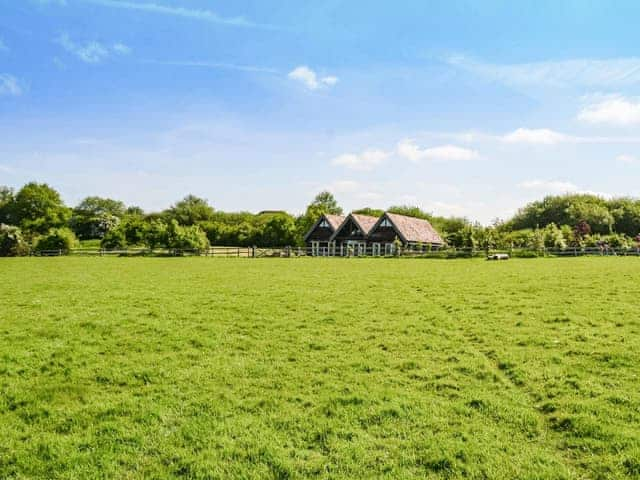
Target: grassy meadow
[{"x": 319, "y": 368}]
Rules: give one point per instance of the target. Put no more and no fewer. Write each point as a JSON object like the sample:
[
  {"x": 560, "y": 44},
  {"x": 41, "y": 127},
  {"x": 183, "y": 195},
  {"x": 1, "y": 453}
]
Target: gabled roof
[
  {"x": 414, "y": 230},
  {"x": 334, "y": 222},
  {"x": 364, "y": 222}
]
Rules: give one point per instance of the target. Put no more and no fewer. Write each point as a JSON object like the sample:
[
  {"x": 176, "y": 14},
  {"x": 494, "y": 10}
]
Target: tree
[
  {"x": 114, "y": 239},
  {"x": 6, "y": 201},
  {"x": 409, "y": 211},
  {"x": 12, "y": 243},
  {"x": 95, "y": 216},
  {"x": 190, "y": 211},
  {"x": 372, "y": 212},
  {"x": 186, "y": 238},
  {"x": 37, "y": 208},
  {"x": 57, "y": 239},
  {"x": 323, "y": 203},
  {"x": 278, "y": 231}
]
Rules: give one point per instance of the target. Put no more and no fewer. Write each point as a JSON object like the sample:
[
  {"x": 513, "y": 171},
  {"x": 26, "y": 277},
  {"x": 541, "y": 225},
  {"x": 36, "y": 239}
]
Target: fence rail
[{"x": 290, "y": 252}]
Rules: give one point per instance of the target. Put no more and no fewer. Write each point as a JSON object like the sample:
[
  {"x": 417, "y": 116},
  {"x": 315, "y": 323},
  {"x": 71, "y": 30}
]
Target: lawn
[{"x": 207, "y": 368}]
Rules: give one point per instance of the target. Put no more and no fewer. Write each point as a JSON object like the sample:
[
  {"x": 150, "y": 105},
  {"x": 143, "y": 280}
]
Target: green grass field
[{"x": 331, "y": 368}]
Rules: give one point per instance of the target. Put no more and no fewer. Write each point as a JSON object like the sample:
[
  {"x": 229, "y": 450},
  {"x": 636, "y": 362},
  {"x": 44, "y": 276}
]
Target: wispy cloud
[
  {"x": 617, "y": 72},
  {"x": 310, "y": 78},
  {"x": 628, "y": 159},
  {"x": 121, "y": 49},
  {"x": 215, "y": 65},
  {"x": 3, "y": 46},
  {"x": 193, "y": 14},
  {"x": 91, "y": 52},
  {"x": 367, "y": 160},
  {"x": 558, "y": 187},
  {"x": 9, "y": 85},
  {"x": 540, "y": 136},
  {"x": 553, "y": 186},
  {"x": 408, "y": 149},
  {"x": 614, "y": 110}
]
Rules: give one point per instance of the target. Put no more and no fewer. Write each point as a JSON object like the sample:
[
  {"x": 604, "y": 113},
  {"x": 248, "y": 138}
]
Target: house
[
  {"x": 412, "y": 233},
  {"x": 350, "y": 238},
  {"x": 317, "y": 239}
]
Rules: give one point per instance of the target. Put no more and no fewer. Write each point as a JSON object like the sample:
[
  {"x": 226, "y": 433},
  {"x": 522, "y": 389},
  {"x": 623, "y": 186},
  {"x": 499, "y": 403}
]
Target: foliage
[
  {"x": 371, "y": 212},
  {"x": 114, "y": 239},
  {"x": 190, "y": 210},
  {"x": 323, "y": 203},
  {"x": 57, "y": 239},
  {"x": 6, "y": 202},
  {"x": 12, "y": 243},
  {"x": 186, "y": 238},
  {"x": 95, "y": 216},
  {"x": 37, "y": 208}
]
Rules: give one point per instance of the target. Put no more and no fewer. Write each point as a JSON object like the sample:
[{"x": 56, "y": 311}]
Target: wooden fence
[{"x": 291, "y": 252}]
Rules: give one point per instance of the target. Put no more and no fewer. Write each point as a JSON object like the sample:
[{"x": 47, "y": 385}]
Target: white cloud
[
  {"x": 342, "y": 186},
  {"x": 542, "y": 136},
  {"x": 628, "y": 159},
  {"x": 309, "y": 78},
  {"x": 552, "y": 186},
  {"x": 616, "y": 110},
  {"x": 193, "y": 14},
  {"x": 408, "y": 149},
  {"x": 366, "y": 160},
  {"x": 91, "y": 52},
  {"x": 121, "y": 49},
  {"x": 9, "y": 85},
  {"x": 560, "y": 74}
]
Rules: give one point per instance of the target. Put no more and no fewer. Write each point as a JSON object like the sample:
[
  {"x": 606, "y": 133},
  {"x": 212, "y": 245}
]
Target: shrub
[
  {"x": 114, "y": 240},
  {"x": 12, "y": 243},
  {"x": 57, "y": 239},
  {"x": 186, "y": 238}
]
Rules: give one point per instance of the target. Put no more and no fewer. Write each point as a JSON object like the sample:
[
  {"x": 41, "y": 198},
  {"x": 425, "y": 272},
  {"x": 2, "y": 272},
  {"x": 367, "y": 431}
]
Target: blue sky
[{"x": 462, "y": 108}]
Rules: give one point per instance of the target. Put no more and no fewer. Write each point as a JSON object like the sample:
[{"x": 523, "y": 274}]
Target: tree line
[{"x": 36, "y": 218}]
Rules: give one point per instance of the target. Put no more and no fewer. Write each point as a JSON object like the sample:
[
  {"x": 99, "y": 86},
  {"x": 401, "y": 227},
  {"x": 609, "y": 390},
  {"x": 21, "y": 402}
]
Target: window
[
  {"x": 386, "y": 223},
  {"x": 324, "y": 224},
  {"x": 375, "y": 250},
  {"x": 389, "y": 248},
  {"x": 315, "y": 249}
]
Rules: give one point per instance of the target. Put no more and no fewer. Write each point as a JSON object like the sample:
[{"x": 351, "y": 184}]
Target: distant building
[
  {"x": 318, "y": 239},
  {"x": 351, "y": 237},
  {"x": 413, "y": 233},
  {"x": 358, "y": 235}
]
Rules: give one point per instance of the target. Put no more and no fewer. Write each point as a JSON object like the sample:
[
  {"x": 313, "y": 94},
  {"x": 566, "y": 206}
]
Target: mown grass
[{"x": 331, "y": 368}]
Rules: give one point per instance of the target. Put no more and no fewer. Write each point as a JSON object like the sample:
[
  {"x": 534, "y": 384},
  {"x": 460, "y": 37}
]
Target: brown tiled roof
[
  {"x": 414, "y": 229},
  {"x": 365, "y": 222},
  {"x": 334, "y": 220}
]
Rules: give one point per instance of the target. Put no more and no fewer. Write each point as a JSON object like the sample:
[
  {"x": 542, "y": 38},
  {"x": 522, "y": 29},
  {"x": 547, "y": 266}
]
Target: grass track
[{"x": 332, "y": 368}]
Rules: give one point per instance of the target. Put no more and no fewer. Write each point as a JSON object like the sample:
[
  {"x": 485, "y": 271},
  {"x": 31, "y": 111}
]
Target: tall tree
[
  {"x": 6, "y": 200},
  {"x": 190, "y": 210},
  {"x": 95, "y": 216},
  {"x": 323, "y": 203},
  {"x": 37, "y": 208}
]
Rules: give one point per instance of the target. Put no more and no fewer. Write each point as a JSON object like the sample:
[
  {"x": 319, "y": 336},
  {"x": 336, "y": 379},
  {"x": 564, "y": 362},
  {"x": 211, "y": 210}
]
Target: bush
[
  {"x": 114, "y": 240},
  {"x": 12, "y": 243},
  {"x": 57, "y": 239},
  {"x": 186, "y": 238}
]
